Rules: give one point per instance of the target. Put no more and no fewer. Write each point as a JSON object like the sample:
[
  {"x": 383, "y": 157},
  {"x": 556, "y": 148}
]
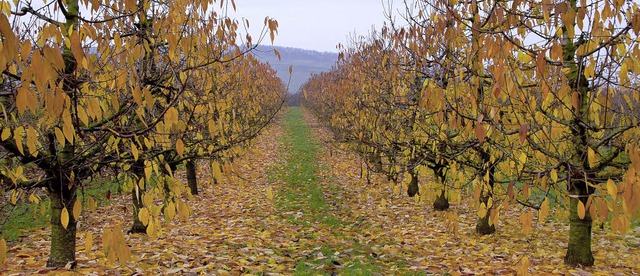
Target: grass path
[{"x": 309, "y": 199}]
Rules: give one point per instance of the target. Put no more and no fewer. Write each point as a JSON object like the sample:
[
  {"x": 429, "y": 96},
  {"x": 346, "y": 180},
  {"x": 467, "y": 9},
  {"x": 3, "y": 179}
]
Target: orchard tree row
[
  {"x": 124, "y": 90},
  {"x": 524, "y": 102}
]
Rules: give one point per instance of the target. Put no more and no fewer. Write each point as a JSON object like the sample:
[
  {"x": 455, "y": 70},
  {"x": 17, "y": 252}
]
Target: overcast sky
[{"x": 314, "y": 24}]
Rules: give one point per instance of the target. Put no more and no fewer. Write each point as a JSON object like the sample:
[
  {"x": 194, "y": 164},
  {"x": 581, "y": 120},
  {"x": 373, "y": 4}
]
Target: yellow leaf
[
  {"x": 554, "y": 175},
  {"x": 3, "y": 250},
  {"x": 152, "y": 232},
  {"x": 482, "y": 210},
  {"x": 32, "y": 138},
  {"x": 612, "y": 189},
  {"x": 60, "y": 136},
  {"x": 591, "y": 155},
  {"x": 170, "y": 211},
  {"x": 64, "y": 217},
  {"x": 581, "y": 210},
  {"x": 544, "y": 211},
  {"x": 143, "y": 216},
  {"x": 269, "y": 193},
  {"x": 88, "y": 243},
  {"x": 524, "y": 267},
  {"x": 217, "y": 173},
  {"x": 77, "y": 209},
  {"x": 180, "y": 147},
  {"x": 6, "y": 133},
  {"x": 91, "y": 204},
  {"x": 134, "y": 151}
]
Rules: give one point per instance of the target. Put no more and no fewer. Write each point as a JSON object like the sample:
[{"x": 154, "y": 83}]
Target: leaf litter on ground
[{"x": 368, "y": 228}]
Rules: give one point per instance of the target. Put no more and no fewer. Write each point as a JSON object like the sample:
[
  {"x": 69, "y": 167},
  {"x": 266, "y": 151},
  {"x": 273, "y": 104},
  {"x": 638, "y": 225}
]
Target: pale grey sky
[{"x": 314, "y": 24}]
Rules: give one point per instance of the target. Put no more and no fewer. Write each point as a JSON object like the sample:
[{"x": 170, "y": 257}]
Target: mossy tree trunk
[
  {"x": 192, "y": 179},
  {"x": 579, "y": 250},
  {"x": 63, "y": 240}
]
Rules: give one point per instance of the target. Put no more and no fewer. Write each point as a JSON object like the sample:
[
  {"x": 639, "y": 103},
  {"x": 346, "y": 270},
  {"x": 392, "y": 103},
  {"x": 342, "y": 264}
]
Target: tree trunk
[
  {"x": 413, "y": 188},
  {"x": 137, "y": 226},
  {"x": 63, "y": 241},
  {"x": 192, "y": 179},
  {"x": 442, "y": 202},
  {"x": 579, "y": 250},
  {"x": 482, "y": 226},
  {"x": 136, "y": 198}
]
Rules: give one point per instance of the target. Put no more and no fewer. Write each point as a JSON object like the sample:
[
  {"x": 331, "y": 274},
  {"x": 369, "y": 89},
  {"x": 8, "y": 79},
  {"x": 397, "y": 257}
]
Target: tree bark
[
  {"x": 579, "y": 250},
  {"x": 136, "y": 198},
  {"x": 413, "y": 188},
  {"x": 192, "y": 179},
  {"x": 63, "y": 241},
  {"x": 442, "y": 202}
]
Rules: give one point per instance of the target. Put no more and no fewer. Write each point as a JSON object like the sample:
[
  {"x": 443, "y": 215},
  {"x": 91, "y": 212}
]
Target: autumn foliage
[
  {"x": 127, "y": 94},
  {"x": 518, "y": 102}
]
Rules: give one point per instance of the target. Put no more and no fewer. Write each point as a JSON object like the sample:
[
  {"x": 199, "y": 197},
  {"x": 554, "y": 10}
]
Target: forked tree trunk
[
  {"x": 63, "y": 241},
  {"x": 192, "y": 179}
]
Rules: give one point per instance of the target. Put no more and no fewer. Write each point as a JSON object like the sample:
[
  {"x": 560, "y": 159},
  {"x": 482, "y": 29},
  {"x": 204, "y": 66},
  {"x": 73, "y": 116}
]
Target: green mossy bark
[
  {"x": 579, "y": 250},
  {"x": 63, "y": 241}
]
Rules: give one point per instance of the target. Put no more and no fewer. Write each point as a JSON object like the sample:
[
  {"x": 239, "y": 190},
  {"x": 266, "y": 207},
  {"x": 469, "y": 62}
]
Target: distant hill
[{"x": 304, "y": 62}]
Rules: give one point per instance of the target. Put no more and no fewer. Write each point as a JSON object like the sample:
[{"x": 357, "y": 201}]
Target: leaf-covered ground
[{"x": 297, "y": 205}]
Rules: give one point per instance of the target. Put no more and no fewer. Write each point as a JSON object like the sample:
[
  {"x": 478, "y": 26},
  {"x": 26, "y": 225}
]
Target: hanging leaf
[
  {"x": 88, "y": 243},
  {"x": 77, "y": 209},
  {"x": 180, "y": 147},
  {"x": 544, "y": 211},
  {"x": 612, "y": 189},
  {"x": 581, "y": 210},
  {"x": 523, "y": 134},
  {"x": 143, "y": 216},
  {"x": 64, "y": 217},
  {"x": 554, "y": 175}
]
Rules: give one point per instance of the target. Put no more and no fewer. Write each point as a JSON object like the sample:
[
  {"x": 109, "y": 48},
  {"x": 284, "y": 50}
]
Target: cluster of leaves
[
  {"x": 504, "y": 98},
  {"x": 128, "y": 93}
]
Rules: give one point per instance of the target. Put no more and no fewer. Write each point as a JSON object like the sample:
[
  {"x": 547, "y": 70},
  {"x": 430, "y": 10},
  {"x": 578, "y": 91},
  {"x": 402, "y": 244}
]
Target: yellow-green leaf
[{"x": 64, "y": 217}]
